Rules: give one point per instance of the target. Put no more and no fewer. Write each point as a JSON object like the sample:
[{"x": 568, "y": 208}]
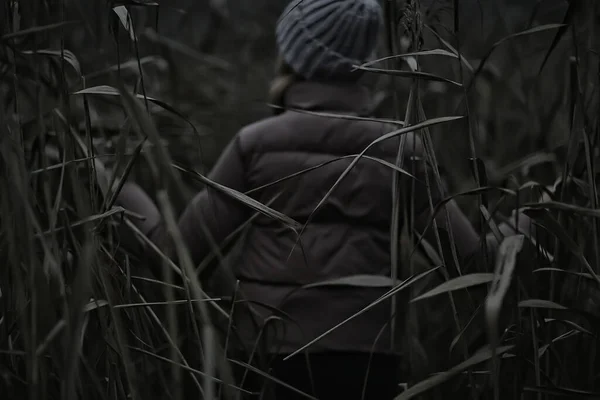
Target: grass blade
[
  {"x": 539, "y": 303},
  {"x": 46, "y": 29},
  {"x": 461, "y": 282},
  {"x": 503, "y": 273},
  {"x": 362, "y": 281},
  {"x": 410, "y": 74}
]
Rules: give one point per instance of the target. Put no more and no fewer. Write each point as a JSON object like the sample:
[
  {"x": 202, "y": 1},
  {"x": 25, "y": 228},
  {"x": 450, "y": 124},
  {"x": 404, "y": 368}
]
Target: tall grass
[{"x": 511, "y": 128}]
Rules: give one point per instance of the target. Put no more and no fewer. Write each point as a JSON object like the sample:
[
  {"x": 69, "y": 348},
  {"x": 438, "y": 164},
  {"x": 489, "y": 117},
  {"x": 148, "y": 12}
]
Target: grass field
[{"x": 81, "y": 318}]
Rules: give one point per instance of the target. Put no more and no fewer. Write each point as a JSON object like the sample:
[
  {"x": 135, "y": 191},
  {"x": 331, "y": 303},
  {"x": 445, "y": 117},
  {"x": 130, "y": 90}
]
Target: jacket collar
[{"x": 330, "y": 97}]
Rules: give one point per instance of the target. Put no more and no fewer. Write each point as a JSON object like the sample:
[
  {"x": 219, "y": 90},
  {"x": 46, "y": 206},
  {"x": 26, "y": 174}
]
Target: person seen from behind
[{"x": 317, "y": 87}]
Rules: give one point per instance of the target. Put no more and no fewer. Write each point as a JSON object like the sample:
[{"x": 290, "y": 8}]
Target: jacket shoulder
[
  {"x": 300, "y": 130},
  {"x": 252, "y": 134}
]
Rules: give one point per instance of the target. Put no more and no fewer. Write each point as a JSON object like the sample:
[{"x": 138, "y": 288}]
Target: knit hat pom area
[{"x": 325, "y": 39}]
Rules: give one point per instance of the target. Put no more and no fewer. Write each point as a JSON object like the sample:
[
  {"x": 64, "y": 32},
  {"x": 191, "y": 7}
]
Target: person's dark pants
[{"x": 335, "y": 375}]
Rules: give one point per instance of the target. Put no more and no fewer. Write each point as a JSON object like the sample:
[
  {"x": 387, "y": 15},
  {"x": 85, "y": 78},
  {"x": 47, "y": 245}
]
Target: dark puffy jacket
[{"x": 349, "y": 235}]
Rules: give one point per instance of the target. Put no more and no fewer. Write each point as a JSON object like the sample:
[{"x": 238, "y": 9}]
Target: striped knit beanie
[{"x": 324, "y": 39}]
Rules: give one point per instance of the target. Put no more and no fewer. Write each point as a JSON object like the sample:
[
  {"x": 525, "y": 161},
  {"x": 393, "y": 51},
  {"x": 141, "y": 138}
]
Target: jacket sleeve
[
  {"x": 517, "y": 223},
  {"x": 448, "y": 217},
  {"x": 214, "y": 212},
  {"x": 210, "y": 213}
]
